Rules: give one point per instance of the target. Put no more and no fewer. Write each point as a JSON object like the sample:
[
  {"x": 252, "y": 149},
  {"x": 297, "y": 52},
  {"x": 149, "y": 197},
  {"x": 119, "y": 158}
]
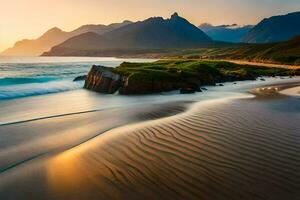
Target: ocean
[{"x": 30, "y": 76}]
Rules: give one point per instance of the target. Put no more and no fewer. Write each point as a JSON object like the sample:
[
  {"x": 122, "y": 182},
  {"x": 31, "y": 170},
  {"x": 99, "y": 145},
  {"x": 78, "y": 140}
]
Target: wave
[
  {"x": 24, "y": 80},
  {"x": 37, "y": 88}
]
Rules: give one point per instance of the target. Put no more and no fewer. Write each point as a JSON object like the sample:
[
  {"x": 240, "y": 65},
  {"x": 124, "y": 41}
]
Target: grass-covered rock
[{"x": 187, "y": 75}]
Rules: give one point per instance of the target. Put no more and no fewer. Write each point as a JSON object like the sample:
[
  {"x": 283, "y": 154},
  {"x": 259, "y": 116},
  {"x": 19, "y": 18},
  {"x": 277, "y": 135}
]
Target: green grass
[{"x": 192, "y": 70}]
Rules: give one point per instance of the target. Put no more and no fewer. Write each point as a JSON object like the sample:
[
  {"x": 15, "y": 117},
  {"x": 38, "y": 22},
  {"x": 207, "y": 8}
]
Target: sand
[
  {"x": 230, "y": 148},
  {"x": 275, "y": 91},
  {"x": 294, "y": 91}
]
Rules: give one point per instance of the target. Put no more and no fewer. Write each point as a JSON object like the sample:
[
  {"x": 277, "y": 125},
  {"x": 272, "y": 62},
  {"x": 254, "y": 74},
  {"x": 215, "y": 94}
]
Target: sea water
[{"x": 29, "y": 76}]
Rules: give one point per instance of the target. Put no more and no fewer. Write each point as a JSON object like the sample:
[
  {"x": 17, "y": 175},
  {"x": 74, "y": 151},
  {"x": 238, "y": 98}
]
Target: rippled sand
[{"x": 222, "y": 149}]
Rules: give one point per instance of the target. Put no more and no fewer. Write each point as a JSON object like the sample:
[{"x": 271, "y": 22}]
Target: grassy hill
[
  {"x": 179, "y": 68},
  {"x": 283, "y": 53}
]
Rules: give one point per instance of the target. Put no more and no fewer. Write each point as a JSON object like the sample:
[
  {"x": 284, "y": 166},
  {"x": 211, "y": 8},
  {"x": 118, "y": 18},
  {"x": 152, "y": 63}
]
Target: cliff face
[{"x": 100, "y": 79}]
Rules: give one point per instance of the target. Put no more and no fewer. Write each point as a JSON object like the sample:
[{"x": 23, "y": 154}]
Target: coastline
[
  {"x": 150, "y": 108},
  {"x": 211, "y": 151}
]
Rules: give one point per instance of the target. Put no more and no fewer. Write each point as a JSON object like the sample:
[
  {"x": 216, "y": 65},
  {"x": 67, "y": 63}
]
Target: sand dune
[{"x": 222, "y": 149}]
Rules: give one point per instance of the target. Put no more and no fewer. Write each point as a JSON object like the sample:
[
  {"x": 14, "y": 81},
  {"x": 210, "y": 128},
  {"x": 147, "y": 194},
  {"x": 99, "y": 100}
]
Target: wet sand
[
  {"x": 275, "y": 91},
  {"x": 230, "y": 148},
  {"x": 27, "y": 140},
  {"x": 294, "y": 91}
]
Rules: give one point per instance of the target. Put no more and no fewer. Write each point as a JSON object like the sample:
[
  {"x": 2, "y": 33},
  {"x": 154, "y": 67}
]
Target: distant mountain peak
[
  {"x": 126, "y": 21},
  {"x": 55, "y": 36},
  {"x": 226, "y": 32},
  {"x": 54, "y": 30},
  {"x": 175, "y": 16}
]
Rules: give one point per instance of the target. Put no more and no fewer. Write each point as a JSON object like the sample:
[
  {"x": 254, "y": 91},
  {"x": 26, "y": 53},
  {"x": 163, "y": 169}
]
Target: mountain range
[
  {"x": 227, "y": 33},
  {"x": 275, "y": 29},
  {"x": 55, "y": 36},
  {"x": 152, "y": 33}
]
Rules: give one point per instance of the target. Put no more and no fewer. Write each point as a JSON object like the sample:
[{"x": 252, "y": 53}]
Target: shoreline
[
  {"x": 212, "y": 144},
  {"x": 293, "y": 91},
  {"x": 277, "y": 90}
]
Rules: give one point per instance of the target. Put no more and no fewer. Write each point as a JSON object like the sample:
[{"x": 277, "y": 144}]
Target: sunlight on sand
[
  {"x": 295, "y": 91},
  {"x": 212, "y": 147}
]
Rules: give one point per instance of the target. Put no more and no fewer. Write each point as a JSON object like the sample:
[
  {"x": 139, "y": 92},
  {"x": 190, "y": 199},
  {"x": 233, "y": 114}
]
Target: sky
[{"x": 21, "y": 19}]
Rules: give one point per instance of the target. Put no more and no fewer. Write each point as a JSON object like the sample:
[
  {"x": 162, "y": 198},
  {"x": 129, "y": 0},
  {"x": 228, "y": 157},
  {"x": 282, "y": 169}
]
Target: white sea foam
[{"x": 23, "y": 90}]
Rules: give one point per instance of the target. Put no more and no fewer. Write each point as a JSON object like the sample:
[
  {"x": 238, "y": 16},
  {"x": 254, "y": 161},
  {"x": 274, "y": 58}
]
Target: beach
[
  {"x": 220, "y": 144},
  {"x": 150, "y": 100}
]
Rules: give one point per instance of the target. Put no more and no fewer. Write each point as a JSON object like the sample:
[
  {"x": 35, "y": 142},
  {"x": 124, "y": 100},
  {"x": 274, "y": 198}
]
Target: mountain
[
  {"x": 35, "y": 47},
  {"x": 153, "y": 33},
  {"x": 99, "y": 29},
  {"x": 275, "y": 29},
  {"x": 226, "y": 33},
  {"x": 54, "y": 37}
]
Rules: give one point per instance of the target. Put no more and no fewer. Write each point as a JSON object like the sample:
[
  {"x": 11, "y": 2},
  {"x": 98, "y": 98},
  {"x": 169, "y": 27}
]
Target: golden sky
[{"x": 30, "y": 18}]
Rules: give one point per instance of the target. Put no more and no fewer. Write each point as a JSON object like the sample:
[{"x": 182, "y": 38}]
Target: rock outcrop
[
  {"x": 102, "y": 80},
  {"x": 187, "y": 76},
  {"x": 190, "y": 89}
]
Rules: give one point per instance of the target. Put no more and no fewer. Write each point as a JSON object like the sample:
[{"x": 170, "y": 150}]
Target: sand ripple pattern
[
  {"x": 227, "y": 149},
  {"x": 234, "y": 150}
]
